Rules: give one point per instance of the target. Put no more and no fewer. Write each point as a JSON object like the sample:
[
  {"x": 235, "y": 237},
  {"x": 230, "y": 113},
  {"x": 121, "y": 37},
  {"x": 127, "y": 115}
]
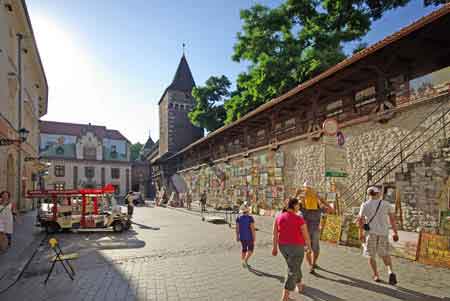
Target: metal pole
[
  {"x": 19, "y": 123},
  {"x": 401, "y": 159},
  {"x": 444, "y": 128}
]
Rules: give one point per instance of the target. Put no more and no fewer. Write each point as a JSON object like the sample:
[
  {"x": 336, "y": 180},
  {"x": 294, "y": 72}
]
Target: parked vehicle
[{"x": 80, "y": 209}]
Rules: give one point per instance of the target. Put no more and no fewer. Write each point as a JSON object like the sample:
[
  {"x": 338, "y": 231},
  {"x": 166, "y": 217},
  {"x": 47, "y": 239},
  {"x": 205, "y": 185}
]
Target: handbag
[{"x": 366, "y": 226}]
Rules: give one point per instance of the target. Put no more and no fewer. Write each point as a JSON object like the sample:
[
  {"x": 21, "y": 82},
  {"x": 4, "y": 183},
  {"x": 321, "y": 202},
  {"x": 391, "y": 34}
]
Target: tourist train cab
[{"x": 79, "y": 209}]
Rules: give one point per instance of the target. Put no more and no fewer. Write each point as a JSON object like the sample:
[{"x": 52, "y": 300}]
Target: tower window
[
  {"x": 176, "y": 106},
  {"x": 170, "y": 105}
]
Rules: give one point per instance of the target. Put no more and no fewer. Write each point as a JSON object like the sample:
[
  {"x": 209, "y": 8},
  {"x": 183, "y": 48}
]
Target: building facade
[
  {"x": 175, "y": 128},
  {"x": 23, "y": 100},
  {"x": 84, "y": 156}
]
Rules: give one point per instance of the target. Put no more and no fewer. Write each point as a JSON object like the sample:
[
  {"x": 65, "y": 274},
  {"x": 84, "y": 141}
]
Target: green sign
[{"x": 335, "y": 174}]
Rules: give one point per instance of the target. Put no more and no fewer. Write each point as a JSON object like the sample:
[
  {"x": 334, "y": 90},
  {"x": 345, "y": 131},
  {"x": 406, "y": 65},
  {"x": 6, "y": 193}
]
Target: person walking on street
[
  {"x": 188, "y": 200},
  {"x": 7, "y": 214},
  {"x": 311, "y": 207},
  {"x": 130, "y": 204},
  {"x": 374, "y": 218},
  {"x": 245, "y": 233},
  {"x": 203, "y": 201},
  {"x": 290, "y": 235}
]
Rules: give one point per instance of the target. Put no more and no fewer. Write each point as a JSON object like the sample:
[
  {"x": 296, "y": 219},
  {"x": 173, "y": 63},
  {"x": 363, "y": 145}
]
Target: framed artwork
[
  {"x": 263, "y": 160},
  {"x": 263, "y": 179},
  {"x": 279, "y": 159},
  {"x": 278, "y": 172}
]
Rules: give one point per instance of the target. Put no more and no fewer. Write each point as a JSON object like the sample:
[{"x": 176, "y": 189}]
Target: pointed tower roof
[{"x": 183, "y": 80}]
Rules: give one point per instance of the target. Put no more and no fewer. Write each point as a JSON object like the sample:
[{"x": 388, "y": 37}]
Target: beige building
[
  {"x": 84, "y": 156},
  {"x": 23, "y": 100}
]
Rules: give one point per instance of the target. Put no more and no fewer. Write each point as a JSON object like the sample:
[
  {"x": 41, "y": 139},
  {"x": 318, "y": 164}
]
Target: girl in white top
[{"x": 7, "y": 212}]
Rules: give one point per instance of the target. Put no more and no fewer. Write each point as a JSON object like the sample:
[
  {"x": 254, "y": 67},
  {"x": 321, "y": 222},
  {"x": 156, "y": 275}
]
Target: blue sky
[{"x": 109, "y": 61}]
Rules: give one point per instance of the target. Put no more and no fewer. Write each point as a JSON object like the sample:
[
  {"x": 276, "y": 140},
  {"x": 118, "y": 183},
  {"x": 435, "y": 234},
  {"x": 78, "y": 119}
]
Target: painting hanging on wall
[{"x": 279, "y": 159}]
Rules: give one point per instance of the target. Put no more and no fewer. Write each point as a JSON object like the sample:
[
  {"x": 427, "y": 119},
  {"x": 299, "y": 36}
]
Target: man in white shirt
[{"x": 374, "y": 218}]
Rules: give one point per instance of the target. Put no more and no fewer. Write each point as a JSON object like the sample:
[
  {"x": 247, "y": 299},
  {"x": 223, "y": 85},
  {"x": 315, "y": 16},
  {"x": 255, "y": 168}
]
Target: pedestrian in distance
[
  {"x": 245, "y": 234},
  {"x": 374, "y": 218},
  {"x": 312, "y": 207},
  {"x": 188, "y": 200},
  {"x": 290, "y": 236},
  {"x": 130, "y": 205},
  {"x": 8, "y": 213},
  {"x": 203, "y": 200}
]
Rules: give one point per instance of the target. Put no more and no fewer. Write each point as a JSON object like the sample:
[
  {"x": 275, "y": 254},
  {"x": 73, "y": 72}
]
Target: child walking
[{"x": 245, "y": 233}]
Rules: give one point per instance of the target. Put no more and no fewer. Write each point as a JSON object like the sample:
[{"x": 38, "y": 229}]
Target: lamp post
[
  {"x": 23, "y": 135},
  {"x": 22, "y": 132}
]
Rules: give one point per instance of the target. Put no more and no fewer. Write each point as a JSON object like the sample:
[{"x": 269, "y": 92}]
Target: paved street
[{"x": 171, "y": 255}]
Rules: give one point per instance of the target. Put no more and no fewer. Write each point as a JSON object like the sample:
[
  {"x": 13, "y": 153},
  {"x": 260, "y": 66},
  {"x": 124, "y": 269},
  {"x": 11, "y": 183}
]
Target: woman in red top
[{"x": 290, "y": 235}]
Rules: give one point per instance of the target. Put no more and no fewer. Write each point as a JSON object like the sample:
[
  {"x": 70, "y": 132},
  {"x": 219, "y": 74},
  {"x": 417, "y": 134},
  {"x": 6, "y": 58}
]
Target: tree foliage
[
  {"x": 135, "y": 150},
  {"x": 209, "y": 112},
  {"x": 285, "y": 46}
]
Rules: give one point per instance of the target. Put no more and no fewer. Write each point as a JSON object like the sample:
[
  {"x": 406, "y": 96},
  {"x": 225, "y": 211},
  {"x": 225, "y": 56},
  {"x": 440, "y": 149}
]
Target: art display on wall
[
  {"x": 434, "y": 250},
  {"x": 257, "y": 180},
  {"x": 445, "y": 222},
  {"x": 353, "y": 236},
  {"x": 331, "y": 230},
  {"x": 406, "y": 246}
]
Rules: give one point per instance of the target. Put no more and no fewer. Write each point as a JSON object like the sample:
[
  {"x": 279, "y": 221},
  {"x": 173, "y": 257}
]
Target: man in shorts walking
[
  {"x": 246, "y": 234},
  {"x": 374, "y": 218}
]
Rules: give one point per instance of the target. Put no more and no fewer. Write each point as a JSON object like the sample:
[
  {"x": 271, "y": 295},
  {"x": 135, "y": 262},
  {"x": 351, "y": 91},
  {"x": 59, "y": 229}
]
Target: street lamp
[{"x": 23, "y": 135}]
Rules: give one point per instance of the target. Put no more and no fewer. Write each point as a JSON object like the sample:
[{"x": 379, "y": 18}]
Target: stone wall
[
  {"x": 181, "y": 131},
  {"x": 244, "y": 178},
  {"x": 164, "y": 125},
  {"x": 424, "y": 191}
]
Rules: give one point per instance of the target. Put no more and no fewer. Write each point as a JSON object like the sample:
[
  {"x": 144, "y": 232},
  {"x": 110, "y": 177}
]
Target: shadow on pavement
[
  {"x": 145, "y": 227},
  {"x": 264, "y": 274},
  {"x": 395, "y": 292},
  {"x": 111, "y": 240},
  {"x": 319, "y": 295}
]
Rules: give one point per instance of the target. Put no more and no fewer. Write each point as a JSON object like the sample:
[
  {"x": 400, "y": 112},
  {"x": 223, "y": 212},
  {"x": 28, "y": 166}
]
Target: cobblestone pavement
[{"x": 171, "y": 255}]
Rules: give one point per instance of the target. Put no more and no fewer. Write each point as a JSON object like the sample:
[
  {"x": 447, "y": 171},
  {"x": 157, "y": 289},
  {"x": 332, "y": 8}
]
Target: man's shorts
[
  {"x": 247, "y": 246},
  {"x": 376, "y": 245}
]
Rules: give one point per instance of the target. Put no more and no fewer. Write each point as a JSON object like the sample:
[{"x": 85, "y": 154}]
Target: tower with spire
[{"x": 175, "y": 129}]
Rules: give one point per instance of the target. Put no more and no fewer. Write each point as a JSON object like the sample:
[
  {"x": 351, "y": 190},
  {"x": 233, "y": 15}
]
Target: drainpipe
[{"x": 19, "y": 123}]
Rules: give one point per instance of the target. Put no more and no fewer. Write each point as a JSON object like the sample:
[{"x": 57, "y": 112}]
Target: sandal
[
  {"x": 376, "y": 279},
  {"x": 300, "y": 288}
]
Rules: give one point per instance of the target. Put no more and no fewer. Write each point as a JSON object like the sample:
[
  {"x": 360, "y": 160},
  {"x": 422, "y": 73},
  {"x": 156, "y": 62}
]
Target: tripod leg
[
  {"x": 62, "y": 263},
  {"x": 66, "y": 261},
  {"x": 51, "y": 269}
]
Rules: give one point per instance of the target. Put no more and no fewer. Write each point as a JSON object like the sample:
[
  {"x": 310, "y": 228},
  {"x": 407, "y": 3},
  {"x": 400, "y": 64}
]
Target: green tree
[
  {"x": 286, "y": 46},
  {"x": 209, "y": 112},
  {"x": 135, "y": 150},
  {"x": 294, "y": 42}
]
